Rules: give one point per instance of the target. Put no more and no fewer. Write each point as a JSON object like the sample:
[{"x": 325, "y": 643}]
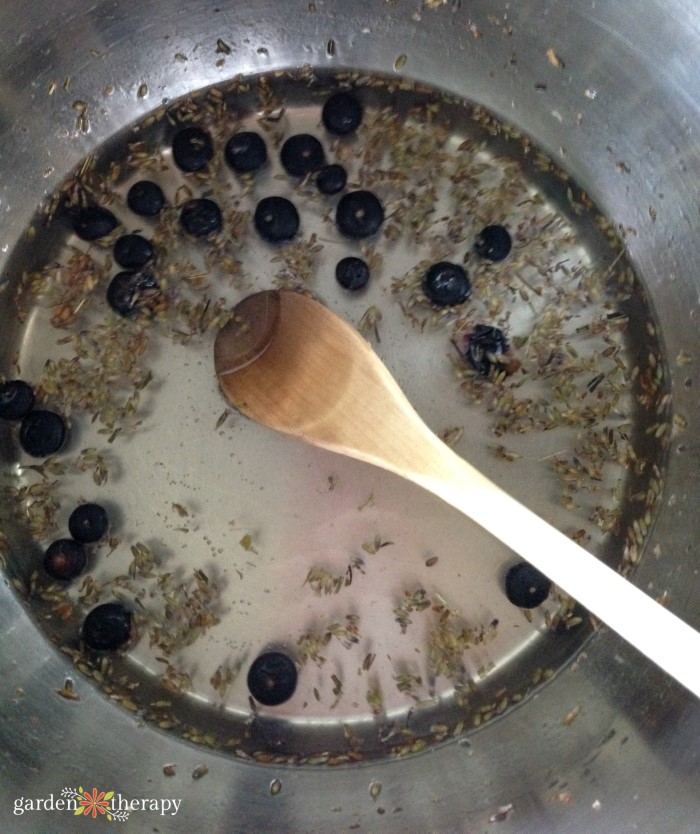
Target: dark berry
[
  {"x": 65, "y": 559},
  {"x": 331, "y": 179},
  {"x": 246, "y": 152},
  {"x": 145, "y": 198},
  {"x": 129, "y": 293},
  {"x": 192, "y": 148},
  {"x": 276, "y": 219},
  {"x": 359, "y": 214},
  {"x": 132, "y": 251},
  {"x": 352, "y": 273},
  {"x": 42, "y": 433},
  {"x": 272, "y": 678},
  {"x": 342, "y": 114},
  {"x": 200, "y": 218},
  {"x": 93, "y": 222},
  {"x": 301, "y": 155},
  {"x": 88, "y": 523},
  {"x": 483, "y": 345},
  {"x": 526, "y": 587},
  {"x": 493, "y": 243},
  {"x": 107, "y": 627},
  {"x": 16, "y": 399},
  {"x": 446, "y": 284}
]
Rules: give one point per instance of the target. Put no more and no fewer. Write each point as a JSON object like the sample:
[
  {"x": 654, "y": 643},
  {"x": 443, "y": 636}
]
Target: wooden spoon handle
[{"x": 664, "y": 638}]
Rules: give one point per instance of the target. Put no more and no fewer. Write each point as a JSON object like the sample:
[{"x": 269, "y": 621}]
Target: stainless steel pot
[{"x": 627, "y": 92}]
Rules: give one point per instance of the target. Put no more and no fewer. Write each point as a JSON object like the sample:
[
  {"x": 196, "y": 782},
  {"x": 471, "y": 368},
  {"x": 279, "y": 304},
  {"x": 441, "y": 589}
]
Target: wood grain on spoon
[{"x": 288, "y": 362}]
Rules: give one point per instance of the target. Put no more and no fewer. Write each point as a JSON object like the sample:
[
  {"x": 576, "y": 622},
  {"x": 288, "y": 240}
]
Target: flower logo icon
[{"x": 92, "y": 805}]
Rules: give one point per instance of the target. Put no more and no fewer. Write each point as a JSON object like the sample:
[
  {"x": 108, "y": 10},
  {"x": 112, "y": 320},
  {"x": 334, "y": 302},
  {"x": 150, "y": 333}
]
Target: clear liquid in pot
[{"x": 227, "y": 540}]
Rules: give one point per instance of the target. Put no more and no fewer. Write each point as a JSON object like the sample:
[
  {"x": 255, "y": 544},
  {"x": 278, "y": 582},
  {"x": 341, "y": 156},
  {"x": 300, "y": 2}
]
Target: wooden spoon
[{"x": 288, "y": 362}]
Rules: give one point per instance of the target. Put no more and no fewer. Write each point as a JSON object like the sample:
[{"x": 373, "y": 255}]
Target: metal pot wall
[{"x": 627, "y": 92}]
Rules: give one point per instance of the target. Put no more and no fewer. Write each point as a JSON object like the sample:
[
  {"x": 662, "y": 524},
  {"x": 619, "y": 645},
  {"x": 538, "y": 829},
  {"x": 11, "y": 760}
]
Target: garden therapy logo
[
  {"x": 95, "y": 803},
  {"x": 92, "y": 805}
]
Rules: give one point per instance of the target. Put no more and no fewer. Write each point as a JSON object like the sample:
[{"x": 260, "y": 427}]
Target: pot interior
[{"x": 226, "y": 541}]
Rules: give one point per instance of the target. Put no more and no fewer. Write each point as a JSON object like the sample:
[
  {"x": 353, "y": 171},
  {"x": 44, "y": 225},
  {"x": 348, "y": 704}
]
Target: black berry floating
[
  {"x": 130, "y": 293},
  {"x": 88, "y": 523},
  {"x": 342, "y": 114},
  {"x": 42, "y": 433},
  {"x": 132, "y": 251},
  {"x": 201, "y": 217},
  {"x": 525, "y": 586},
  {"x": 272, "y": 678},
  {"x": 359, "y": 215},
  {"x": 352, "y": 273},
  {"x": 65, "y": 559},
  {"x": 16, "y": 399},
  {"x": 276, "y": 219},
  {"x": 246, "y": 152},
  {"x": 192, "y": 149},
  {"x": 145, "y": 198},
  {"x": 484, "y": 344},
  {"x": 331, "y": 179},
  {"x": 447, "y": 284},
  {"x": 302, "y": 154},
  {"x": 493, "y": 243},
  {"x": 94, "y": 222},
  {"x": 107, "y": 627}
]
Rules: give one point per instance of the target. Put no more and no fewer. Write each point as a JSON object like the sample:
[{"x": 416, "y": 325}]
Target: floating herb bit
[
  {"x": 247, "y": 544},
  {"x": 360, "y": 214},
  {"x": 272, "y": 678},
  {"x": 493, "y": 243},
  {"x": 352, "y": 273},
  {"x": 107, "y": 627},
  {"x": 447, "y": 284},
  {"x": 90, "y": 460},
  {"x": 246, "y": 152},
  {"x": 323, "y": 582},
  {"x": 417, "y": 600},
  {"x": 374, "y": 699},
  {"x": 342, "y": 114},
  {"x": 375, "y": 545},
  {"x": 88, "y": 523},
  {"x": 93, "y": 222},
  {"x": 301, "y": 155},
  {"x": 201, "y": 217},
  {"x": 192, "y": 149},
  {"x": 276, "y": 219},
  {"x": 146, "y": 198},
  {"x": 65, "y": 559},
  {"x": 143, "y": 562},
  {"x": 68, "y": 692},
  {"x": 42, "y": 433},
  {"x": 525, "y": 586},
  {"x": 16, "y": 399}
]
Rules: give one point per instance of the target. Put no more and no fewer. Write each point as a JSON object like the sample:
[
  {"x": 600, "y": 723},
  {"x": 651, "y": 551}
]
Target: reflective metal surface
[{"x": 620, "y": 115}]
